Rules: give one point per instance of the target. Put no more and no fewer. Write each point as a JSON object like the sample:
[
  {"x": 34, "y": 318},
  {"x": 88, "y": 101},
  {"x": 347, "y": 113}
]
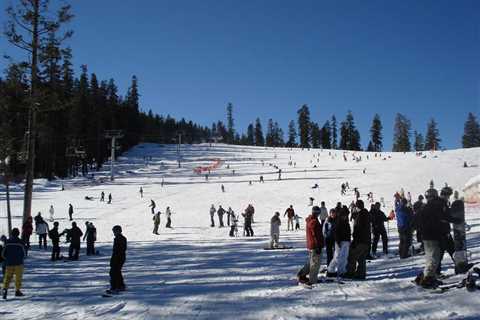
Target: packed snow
[{"x": 194, "y": 271}]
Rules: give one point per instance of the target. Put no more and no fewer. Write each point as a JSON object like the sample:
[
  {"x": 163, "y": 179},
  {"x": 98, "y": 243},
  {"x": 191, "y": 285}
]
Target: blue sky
[{"x": 269, "y": 57}]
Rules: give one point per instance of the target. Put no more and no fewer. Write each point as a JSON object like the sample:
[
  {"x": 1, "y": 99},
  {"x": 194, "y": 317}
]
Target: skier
[
  {"x": 42, "y": 231},
  {"x": 378, "y": 228},
  {"x": 323, "y": 212},
  {"x": 338, "y": 265},
  {"x": 290, "y": 213},
  {"x": 360, "y": 247},
  {"x": 109, "y": 198},
  {"x": 275, "y": 223},
  {"x": 168, "y": 213},
  {"x": 220, "y": 213},
  {"x": 74, "y": 235},
  {"x": 329, "y": 235},
  {"x": 27, "y": 230},
  {"x": 55, "y": 237},
  {"x": 14, "y": 254},
  {"x": 102, "y": 196},
  {"x": 314, "y": 245},
  {"x": 343, "y": 191},
  {"x": 404, "y": 223},
  {"x": 279, "y": 174},
  {"x": 52, "y": 212},
  {"x": 248, "y": 217},
  {"x": 70, "y": 211},
  {"x": 152, "y": 205},
  {"x": 156, "y": 222},
  {"x": 230, "y": 215},
  {"x": 261, "y": 179},
  {"x": 212, "y": 215},
  {"x": 91, "y": 237},
  {"x": 141, "y": 192},
  {"x": 311, "y": 201},
  {"x": 297, "y": 222},
  {"x": 117, "y": 261},
  {"x": 223, "y": 188}
]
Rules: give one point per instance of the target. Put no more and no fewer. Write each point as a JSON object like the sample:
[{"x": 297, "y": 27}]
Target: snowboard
[
  {"x": 281, "y": 247},
  {"x": 459, "y": 237}
]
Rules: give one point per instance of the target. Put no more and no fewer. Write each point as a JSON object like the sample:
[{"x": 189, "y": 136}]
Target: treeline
[{"x": 306, "y": 133}]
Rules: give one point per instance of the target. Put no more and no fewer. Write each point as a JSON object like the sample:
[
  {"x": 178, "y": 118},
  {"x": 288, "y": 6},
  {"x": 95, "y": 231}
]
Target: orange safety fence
[{"x": 216, "y": 164}]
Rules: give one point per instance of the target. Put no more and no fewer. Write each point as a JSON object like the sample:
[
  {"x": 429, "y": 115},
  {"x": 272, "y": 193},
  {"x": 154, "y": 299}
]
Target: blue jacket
[
  {"x": 404, "y": 216},
  {"x": 14, "y": 252}
]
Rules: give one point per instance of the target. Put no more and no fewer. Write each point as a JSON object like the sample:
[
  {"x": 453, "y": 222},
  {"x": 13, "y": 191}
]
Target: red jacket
[{"x": 314, "y": 233}]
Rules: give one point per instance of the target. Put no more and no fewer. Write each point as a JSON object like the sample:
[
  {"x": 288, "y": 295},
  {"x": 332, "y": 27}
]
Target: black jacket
[
  {"x": 342, "y": 230},
  {"x": 378, "y": 220},
  {"x": 361, "y": 229},
  {"x": 119, "y": 250},
  {"x": 434, "y": 220},
  {"x": 75, "y": 235},
  {"x": 55, "y": 236}
]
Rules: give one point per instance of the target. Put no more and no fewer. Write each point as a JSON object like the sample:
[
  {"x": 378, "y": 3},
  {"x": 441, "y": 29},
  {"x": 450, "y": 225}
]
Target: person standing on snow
[
  {"x": 230, "y": 215},
  {"x": 152, "y": 205},
  {"x": 168, "y": 213},
  {"x": 417, "y": 207},
  {"x": 42, "y": 231},
  {"x": 314, "y": 245},
  {"x": 378, "y": 227},
  {"x": 109, "y": 198},
  {"x": 212, "y": 216},
  {"x": 156, "y": 222},
  {"x": 117, "y": 261},
  {"x": 55, "y": 237},
  {"x": 91, "y": 237},
  {"x": 275, "y": 223},
  {"x": 70, "y": 211},
  {"x": 220, "y": 213},
  {"x": 74, "y": 235},
  {"x": 14, "y": 253},
  {"x": 342, "y": 234},
  {"x": 102, "y": 197},
  {"x": 27, "y": 230},
  {"x": 52, "y": 212},
  {"x": 248, "y": 217},
  {"x": 141, "y": 192},
  {"x": 323, "y": 213},
  {"x": 404, "y": 223},
  {"x": 329, "y": 234},
  {"x": 290, "y": 213}
]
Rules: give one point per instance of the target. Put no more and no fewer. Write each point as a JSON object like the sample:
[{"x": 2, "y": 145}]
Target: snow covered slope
[{"x": 196, "y": 272}]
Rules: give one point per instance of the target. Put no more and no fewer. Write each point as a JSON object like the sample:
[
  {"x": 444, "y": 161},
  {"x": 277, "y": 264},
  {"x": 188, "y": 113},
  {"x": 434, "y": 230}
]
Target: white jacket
[{"x": 42, "y": 228}]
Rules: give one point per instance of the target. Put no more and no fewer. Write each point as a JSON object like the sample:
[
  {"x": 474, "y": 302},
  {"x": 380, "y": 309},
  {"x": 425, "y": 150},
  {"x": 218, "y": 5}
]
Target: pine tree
[
  {"x": 349, "y": 135},
  {"x": 292, "y": 134},
  {"x": 401, "y": 134},
  {"x": 370, "y": 147},
  {"x": 250, "y": 135},
  {"x": 419, "y": 143},
  {"x": 304, "y": 126},
  {"x": 432, "y": 138},
  {"x": 376, "y": 134},
  {"x": 316, "y": 135},
  {"x": 471, "y": 132},
  {"x": 259, "y": 139},
  {"x": 326, "y": 136},
  {"x": 277, "y": 135},
  {"x": 230, "y": 125},
  {"x": 269, "y": 137},
  {"x": 333, "y": 134}
]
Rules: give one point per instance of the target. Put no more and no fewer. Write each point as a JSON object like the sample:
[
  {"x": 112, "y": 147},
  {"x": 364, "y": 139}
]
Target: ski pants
[
  {"x": 446, "y": 244},
  {"x": 248, "y": 229},
  {"x": 116, "y": 277},
  {"x": 155, "y": 228},
  {"x": 274, "y": 240},
  {"x": 90, "y": 248},
  {"x": 55, "y": 252},
  {"x": 9, "y": 272},
  {"x": 432, "y": 257},
  {"x": 169, "y": 223},
  {"x": 212, "y": 221},
  {"x": 329, "y": 247},
  {"x": 74, "y": 251},
  {"x": 405, "y": 235},
  {"x": 290, "y": 223},
  {"x": 220, "y": 220},
  {"x": 42, "y": 238},
  {"x": 357, "y": 260},
  {"x": 376, "y": 236},
  {"x": 311, "y": 267},
  {"x": 340, "y": 258}
]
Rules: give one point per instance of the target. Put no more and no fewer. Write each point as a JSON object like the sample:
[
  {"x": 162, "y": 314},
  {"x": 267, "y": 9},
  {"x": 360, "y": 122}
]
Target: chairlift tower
[{"x": 113, "y": 135}]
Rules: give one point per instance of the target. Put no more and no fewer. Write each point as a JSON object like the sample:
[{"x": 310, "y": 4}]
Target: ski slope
[{"x": 194, "y": 271}]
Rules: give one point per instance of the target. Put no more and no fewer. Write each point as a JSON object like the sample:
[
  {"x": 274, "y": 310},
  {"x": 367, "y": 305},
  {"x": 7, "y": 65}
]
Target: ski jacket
[
  {"x": 290, "y": 213},
  {"x": 378, "y": 220},
  {"x": 418, "y": 206},
  {"x": 74, "y": 235},
  {"x": 323, "y": 214},
  {"x": 361, "y": 228},
  {"x": 329, "y": 229},
  {"x": 221, "y": 211},
  {"x": 42, "y": 228},
  {"x": 14, "y": 252},
  {"x": 275, "y": 223},
  {"x": 27, "y": 228},
  {"x": 434, "y": 220},
  {"x": 70, "y": 209},
  {"x": 55, "y": 236},
  {"x": 212, "y": 211},
  {"x": 314, "y": 233},
  {"x": 457, "y": 209},
  {"x": 119, "y": 249},
  {"x": 90, "y": 234},
  {"x": 342, "y": 230},
  {"x": 404, "y": 216},
  {"x": 156, "y": 218},
  {"x": 248, "y": 216}
]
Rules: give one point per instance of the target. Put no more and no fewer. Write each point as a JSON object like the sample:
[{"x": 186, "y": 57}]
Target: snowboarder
[
  {"x": 91, "y": 237},
  {"x": 109, "y": 198},
  {"x": 14, "y": 254},
  {"x": 290, "y": 213},
  {"x": 52, "y": 212},
  {"x": 378, "y": 227},
  {"x": 27, "y": 230},
  {"x": 156, "y": 222},
  {"x": 314, "y": 245},
  {"x": 338, "y": 265},
  {"x": 360, "y": 247},
  {"x": 275, "y": 223},
  {"x": 117, "y": 261},
  {"x": 220, "y": 213},
  {"x": 42, "y": 231},
  {"x": 168, "y": 213},
  {"x": 212, "y": 215},
  {"x": 329, "y": 235},
  {"x": 55, "y": 237},
  {"x": 70, "y": 211},
  {"x": 141, "y": 192},
  {"x": 74, "y": 235},
  {"x": 102, "y": 197},
  {"x": 152, "y": 205}
]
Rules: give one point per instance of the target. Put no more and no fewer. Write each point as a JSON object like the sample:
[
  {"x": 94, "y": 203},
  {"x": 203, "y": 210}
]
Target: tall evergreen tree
[
  {"x": 250, "y": 135},
  {"x": 419, "y": 143},
  {"x": 292, "y": 134},
  {"x": 277, "y": 135},
  {"x": 259, "y": 138},
  {"x": 376, "y": 134},
  {"x": 471, "y": 132},
  {"x": 269, "y": 137},
  {"x": 334, "y": 142},
  {"x": 349, "y": 135},
  {"x": 432, "y": 138},
  {"x": 304, "y": 126},
  {"x": 326, "y": 136},
  {"x": 230, "y": 124},
  {"x": 401, "y": 134},
  {"x": 315, "y": 135}
]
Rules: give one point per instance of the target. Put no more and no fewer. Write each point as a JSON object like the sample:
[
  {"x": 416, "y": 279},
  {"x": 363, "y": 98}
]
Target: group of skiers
[
  {"x": 232, "y": 219},
  {"x": 156, "y": 218}
]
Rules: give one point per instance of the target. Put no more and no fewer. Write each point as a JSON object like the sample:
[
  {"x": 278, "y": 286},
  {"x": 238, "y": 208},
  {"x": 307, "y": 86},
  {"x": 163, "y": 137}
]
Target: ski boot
[{"x": 19, "y": 293}]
